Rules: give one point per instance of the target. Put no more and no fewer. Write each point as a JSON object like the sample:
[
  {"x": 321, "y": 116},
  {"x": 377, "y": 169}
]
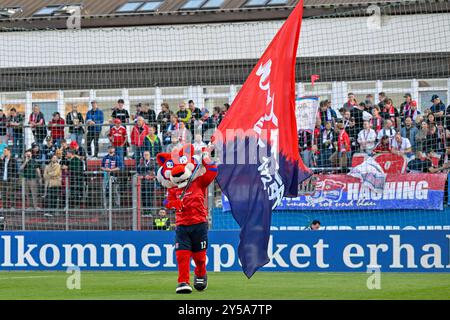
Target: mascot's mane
[{"x": 177, "y": 167}]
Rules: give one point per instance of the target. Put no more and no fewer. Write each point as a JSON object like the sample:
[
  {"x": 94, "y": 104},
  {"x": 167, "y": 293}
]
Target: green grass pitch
[{"x": 225, "y": 285}]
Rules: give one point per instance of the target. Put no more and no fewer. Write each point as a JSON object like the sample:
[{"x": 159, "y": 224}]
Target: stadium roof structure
[{"x": 45, "y": 14}]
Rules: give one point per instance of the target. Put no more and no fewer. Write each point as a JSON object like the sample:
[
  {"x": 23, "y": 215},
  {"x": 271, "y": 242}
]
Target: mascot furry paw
[{"x": 187, "y": 177}]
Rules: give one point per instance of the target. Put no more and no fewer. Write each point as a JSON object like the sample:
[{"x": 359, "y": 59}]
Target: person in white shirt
[
  {"x": 198, "y": 144},
  {"x": 367, "y": 138},
  {"x": 388, "y": 130},
  {"x": 401, "y": 145}
]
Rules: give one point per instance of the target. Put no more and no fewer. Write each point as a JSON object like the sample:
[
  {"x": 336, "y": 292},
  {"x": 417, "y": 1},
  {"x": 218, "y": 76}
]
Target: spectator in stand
[
  {"x": 389, "y": 112},
  {"x": 78, "y": 151},
  {"x": 377, "y": 122},
  {"x": 164, "y": 118},
  {"x": 326, "y": 113},
  {"x": 342, "y": 154},
  {"x": 370, "y": 103},
  {"x": 49, "y": 149},
  {"x": 423, "y": 163},
  {"x": 432, "y": 142},
  {"x": 175, "y": 144},
  {"x": 184, "y": 114},
  {"x": 3, "y": 127},
  {"x": 16, "y": 121},
  {"x": 346, "y": 119},
  {"x": 32, "y": 175},
  {"x": 162, "y": 221},
  {"x": 406, "y": 105},
  {"x": 37, "y": 124},
  {"x": 431, "y": 120},
  {"x": 412, "y": 111},
  {"x": 421, "y": 137},
  {"x": 443, "y": 135},
  {"x": 305, "y": 140},
  {"x": 387, "y": 131},
  {"x": 75, "y": 169},
  {"x": 53, "y": 182},
  {"x": 208, "y": 126},
  {"x": 118, "y": 137},
  {"x": 57, "y": 128},
  {"x": 146, "y": 170},
  {"x": 409, "y": 131},
  {"x": 172, "y": 129},
  {"x": 198, "y": 144},
  {"x": 326, "y": 145},
  {"x": 401, "y": 145},
  {"x": 120, "y": 112},
  {"x": 383, "y": 146},
  {"x": 184, "y": 135},
  {"x": 381, "y": 100},
  {"x": 112, "y": 164},
  {"x": 9, "y": 179},
  {"x": 367, "y": 138},
  {"x": 437, "y": 108},
  {"x": 75, "y": 121},
  {"x": 138, "y": 134},
  {"x": 94, "y": 120},
  {"x": 225, "y": 108},
  {"x": 151, "y": 116},
  {"x": 141, "y": 112},
  {"x": 351, "y": 102},
  {"x": 357, "y": 113},
  {"x": 353, "y": 132},
  {"x": 418, "y": 122},
  {"x": 217, "y": 116},
  {"x": 196, "y": 115},
  {"x": 152, "y": 144},
  {"x": 37, "y": 154}
]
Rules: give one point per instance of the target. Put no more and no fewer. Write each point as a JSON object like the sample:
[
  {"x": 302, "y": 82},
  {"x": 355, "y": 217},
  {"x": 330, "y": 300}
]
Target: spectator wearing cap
[
  {"x": 409, "y": 131},
  {"x": 78, "y": 151},
  {"x": 411, "y": 112},
  {"x": 437, "y": 108},
  {"x": 138, "y": 135},
  {"x": 75, "y": 122},
  {"x": 3, "y": 128},
  {"x": 118, "y": 137},
  {"x": 32, "y": 175},
  {"x": 120, "y": 112},
  {"x": 57, "y": 128},
  {"x": 16, "y": 121},
  {"x": 94, "y": 120},
  {"x": 75, "y": 169},
  {"x": 9, "y": 179},
  {"x": 112, "y": 164},
  {"x": 152, "y": 143},
  {"x": 37, "y": 124}
]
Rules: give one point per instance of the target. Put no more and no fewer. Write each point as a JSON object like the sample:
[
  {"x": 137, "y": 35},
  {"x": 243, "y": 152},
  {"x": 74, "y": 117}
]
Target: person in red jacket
[
  {"x": 118, "y": 137},
  {"x": 343, "y": 147},
  {"x": 57, "y": 128},
  {"x": 190, "y": 175},
  {"x": 138, "y": 134}
]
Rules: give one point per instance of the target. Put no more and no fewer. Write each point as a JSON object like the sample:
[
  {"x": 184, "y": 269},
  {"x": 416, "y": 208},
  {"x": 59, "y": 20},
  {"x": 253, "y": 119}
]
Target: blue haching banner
[
  {"x": 344, "y": 192},
  {"x": 329, "y": 251}
]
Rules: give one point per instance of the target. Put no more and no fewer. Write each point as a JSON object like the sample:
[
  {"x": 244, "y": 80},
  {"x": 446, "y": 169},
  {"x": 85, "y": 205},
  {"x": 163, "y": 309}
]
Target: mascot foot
[
  {"x": 201, "y": 283},
  {"x": 183, "y": 288}
]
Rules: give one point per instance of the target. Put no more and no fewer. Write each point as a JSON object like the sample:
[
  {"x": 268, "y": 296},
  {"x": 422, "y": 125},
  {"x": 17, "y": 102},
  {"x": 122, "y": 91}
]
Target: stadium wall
[{"x": 331, "y": 251}]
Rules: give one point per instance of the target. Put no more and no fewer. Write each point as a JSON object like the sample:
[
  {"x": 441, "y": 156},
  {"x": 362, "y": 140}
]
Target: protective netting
[{"x": 345, "y": 60}]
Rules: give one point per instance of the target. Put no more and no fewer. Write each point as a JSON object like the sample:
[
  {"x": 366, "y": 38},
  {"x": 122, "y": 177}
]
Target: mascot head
[{"x": 177, "y": 168}]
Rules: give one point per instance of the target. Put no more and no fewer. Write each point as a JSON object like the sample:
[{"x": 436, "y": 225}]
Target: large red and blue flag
[{"x": 258, "y": 144}]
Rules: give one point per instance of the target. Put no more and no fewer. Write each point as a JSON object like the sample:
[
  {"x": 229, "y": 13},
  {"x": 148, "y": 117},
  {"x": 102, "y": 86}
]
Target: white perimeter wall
[{"x": 319, "y": 37}]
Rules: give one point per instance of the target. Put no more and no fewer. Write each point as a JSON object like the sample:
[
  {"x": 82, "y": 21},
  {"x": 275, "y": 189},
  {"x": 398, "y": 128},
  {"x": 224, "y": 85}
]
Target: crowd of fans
[
  {"x": 372, "y": 127},
  {"x": 52, "y": 161}
]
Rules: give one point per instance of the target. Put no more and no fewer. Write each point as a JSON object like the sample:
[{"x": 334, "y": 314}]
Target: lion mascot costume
[{"x": 187, "y": 177}]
